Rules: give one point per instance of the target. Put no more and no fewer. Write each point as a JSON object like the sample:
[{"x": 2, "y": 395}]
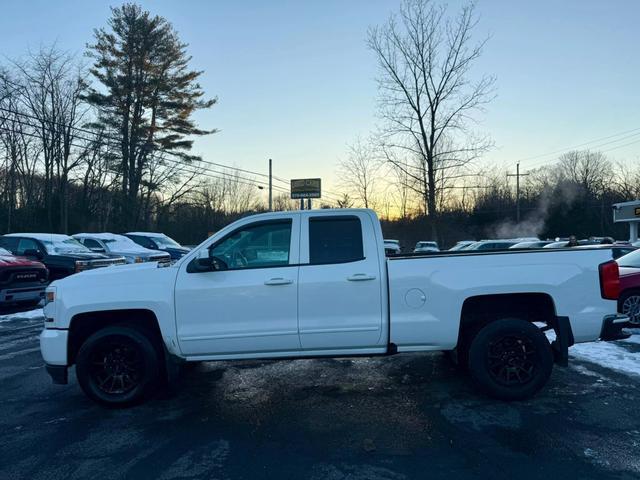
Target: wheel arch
[
  {"x": 533, "y": 307},
  {"x": 480, "y": 310},
  {"x": 83, "y": 325}
]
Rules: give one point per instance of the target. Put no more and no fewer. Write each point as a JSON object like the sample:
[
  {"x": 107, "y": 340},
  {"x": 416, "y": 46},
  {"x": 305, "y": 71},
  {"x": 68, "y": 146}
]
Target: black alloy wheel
[{"x": 118, "y": 366}]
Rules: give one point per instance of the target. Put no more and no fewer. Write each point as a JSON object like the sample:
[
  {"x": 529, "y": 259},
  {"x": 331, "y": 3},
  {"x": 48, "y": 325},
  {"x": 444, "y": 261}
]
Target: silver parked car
[
  {"x": 462, "y": 245},
  {"x": 118, "y": 245}
]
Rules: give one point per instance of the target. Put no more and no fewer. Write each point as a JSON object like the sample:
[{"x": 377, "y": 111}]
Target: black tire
[
  {"x": 510, "y": 359},
  {"x": 118, "y": 366},
  {"x": 629, "y": 304}
]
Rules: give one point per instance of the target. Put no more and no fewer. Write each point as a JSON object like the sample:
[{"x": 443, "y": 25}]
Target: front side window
[
  {"x": 256, "y": 246},
  {"x": 335, "y": 240},
  {"x": 26, "y": 244}
]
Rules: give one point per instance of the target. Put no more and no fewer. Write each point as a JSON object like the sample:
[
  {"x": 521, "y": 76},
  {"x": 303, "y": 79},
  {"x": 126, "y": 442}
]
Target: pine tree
[{"x": 147, "y": 94}]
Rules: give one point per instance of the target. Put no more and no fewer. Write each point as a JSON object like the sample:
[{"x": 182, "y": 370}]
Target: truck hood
[
  {"x": 11, "y": 261},
  {"x": 81, "y": 256},
  {"x": 118, "y": 275}
]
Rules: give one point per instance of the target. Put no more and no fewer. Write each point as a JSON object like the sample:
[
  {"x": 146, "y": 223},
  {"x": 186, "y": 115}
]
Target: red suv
[
  {"x": 629, "y": 302},
  {"x": 22, "y": 281}
]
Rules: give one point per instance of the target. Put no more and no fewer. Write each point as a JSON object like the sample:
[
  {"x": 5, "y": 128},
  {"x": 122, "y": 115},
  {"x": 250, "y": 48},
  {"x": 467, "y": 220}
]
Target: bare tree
[
  {"x": 283, "y": 202},
  {"x": 591, "y": 170},
  {"x": 358, "y": 173},
  {"x": 427, "y": 97},
  {"x": 52, "y": 85}
]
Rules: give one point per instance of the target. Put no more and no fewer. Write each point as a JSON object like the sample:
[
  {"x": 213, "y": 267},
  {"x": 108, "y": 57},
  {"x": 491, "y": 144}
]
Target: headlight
[
  {"x": 49, "y": 296},
  {"x": 81, "y": 265}
]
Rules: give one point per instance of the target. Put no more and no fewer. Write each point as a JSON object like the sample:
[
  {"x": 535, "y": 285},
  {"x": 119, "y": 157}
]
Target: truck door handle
[
  {"x": 360, "y": 277},
  {"x": 278, "y": 281}
]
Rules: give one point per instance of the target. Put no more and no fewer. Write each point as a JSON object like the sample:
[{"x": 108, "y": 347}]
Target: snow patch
[{"x": 609, "y": 355}]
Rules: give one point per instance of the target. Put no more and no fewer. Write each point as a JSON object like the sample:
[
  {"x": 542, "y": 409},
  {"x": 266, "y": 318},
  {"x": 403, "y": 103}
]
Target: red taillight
[{"x": 609, "y": 280}]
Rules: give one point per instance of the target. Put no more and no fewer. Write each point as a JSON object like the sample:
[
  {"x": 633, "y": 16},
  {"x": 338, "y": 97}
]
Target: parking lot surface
[{"x": 400, "y": 417}]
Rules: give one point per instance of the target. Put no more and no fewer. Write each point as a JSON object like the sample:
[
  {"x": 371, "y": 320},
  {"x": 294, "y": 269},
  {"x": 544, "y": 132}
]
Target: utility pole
[
  {"x": 517, "y": 175},
  {"x": 270, "y": 188}
]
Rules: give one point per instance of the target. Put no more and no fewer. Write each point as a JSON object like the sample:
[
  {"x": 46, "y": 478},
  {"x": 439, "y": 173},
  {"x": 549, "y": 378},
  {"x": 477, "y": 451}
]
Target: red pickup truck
[
  {"x": 629, "y": 302},
  {"x": 22, "y": 281}
]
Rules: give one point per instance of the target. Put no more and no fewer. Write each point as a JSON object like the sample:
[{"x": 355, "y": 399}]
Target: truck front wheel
[
  {"x": 117, "y": 366},
  {"x": 510, "y": 359}
]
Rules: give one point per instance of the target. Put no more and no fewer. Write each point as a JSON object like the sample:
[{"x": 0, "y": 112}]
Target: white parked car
[
  {"x": 316, "y": 283},
  {"x": 426, "y": 247},
  {"x": 118, "y": 245}
]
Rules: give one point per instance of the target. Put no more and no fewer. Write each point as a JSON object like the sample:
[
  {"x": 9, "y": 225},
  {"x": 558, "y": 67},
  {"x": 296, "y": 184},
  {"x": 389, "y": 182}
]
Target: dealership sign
[
  {"x": 626, "y": 211},
  {"x": 305, "y": 188}
]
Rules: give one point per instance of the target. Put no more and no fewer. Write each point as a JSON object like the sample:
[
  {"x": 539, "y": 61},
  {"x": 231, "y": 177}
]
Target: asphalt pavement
[{"x": 402, "y": 417}]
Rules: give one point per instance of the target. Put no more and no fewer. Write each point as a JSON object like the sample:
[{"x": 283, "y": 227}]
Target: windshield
[
  {"x": 630, "y": 260},
  {"x": 64, "y": 245},
  {"x": 164, "y": 241},
  {"x": 122, "y": 244}
]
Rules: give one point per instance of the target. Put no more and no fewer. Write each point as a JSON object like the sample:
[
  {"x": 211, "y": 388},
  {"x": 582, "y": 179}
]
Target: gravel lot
[{"x": 401, "y": 417}]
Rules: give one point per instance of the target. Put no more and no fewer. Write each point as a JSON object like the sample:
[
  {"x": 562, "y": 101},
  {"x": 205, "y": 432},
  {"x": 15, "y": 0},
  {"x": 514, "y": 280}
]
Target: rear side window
[
  {"x": 335, "y": 240},
  {"x": 90, "y": 243},
  {"x": 10, "y": 243}
]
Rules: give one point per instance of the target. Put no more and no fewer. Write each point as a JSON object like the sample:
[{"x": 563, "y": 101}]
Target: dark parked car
[
  {"x": 159, "y": 241},
  {"x": 61, "y": 254},
  {"x": 22, "y": 281},
  {"x": 629, "y": 301}
]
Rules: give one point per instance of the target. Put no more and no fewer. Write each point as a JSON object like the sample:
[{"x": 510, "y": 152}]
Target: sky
[{"x": 295, "y": 81}]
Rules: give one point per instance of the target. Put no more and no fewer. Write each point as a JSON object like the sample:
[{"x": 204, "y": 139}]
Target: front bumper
[
  {"x": 22, "y": 294},
  {"x": 53, "y": 346}
]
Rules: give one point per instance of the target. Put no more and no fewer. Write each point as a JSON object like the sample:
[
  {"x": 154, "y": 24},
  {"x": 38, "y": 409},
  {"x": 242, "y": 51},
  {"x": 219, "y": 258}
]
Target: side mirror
[
  {"x": 204, "y": 263},
  {"x": 32, "y": 252}
]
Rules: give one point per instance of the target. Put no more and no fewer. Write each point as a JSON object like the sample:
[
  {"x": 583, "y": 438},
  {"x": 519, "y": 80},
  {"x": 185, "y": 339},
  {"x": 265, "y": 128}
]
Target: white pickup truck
[{"x": 317, "y": 283}]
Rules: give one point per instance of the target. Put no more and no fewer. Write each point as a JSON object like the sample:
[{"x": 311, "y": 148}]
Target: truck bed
[{"x": 427, "y": 292}]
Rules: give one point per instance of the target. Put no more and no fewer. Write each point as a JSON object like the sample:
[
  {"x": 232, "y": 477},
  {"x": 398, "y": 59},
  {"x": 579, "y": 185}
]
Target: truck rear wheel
[
  {"x": 510, "y": 359},
  {"x": 117, "y": 366}
]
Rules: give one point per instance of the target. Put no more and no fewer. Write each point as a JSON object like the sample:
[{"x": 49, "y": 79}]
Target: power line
[
  {"x": 566, "y": 149},
  {"x": 152, "y": 156},
  {"x": 93, "y": 132},
  {"x": 181, "y": 167}
]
